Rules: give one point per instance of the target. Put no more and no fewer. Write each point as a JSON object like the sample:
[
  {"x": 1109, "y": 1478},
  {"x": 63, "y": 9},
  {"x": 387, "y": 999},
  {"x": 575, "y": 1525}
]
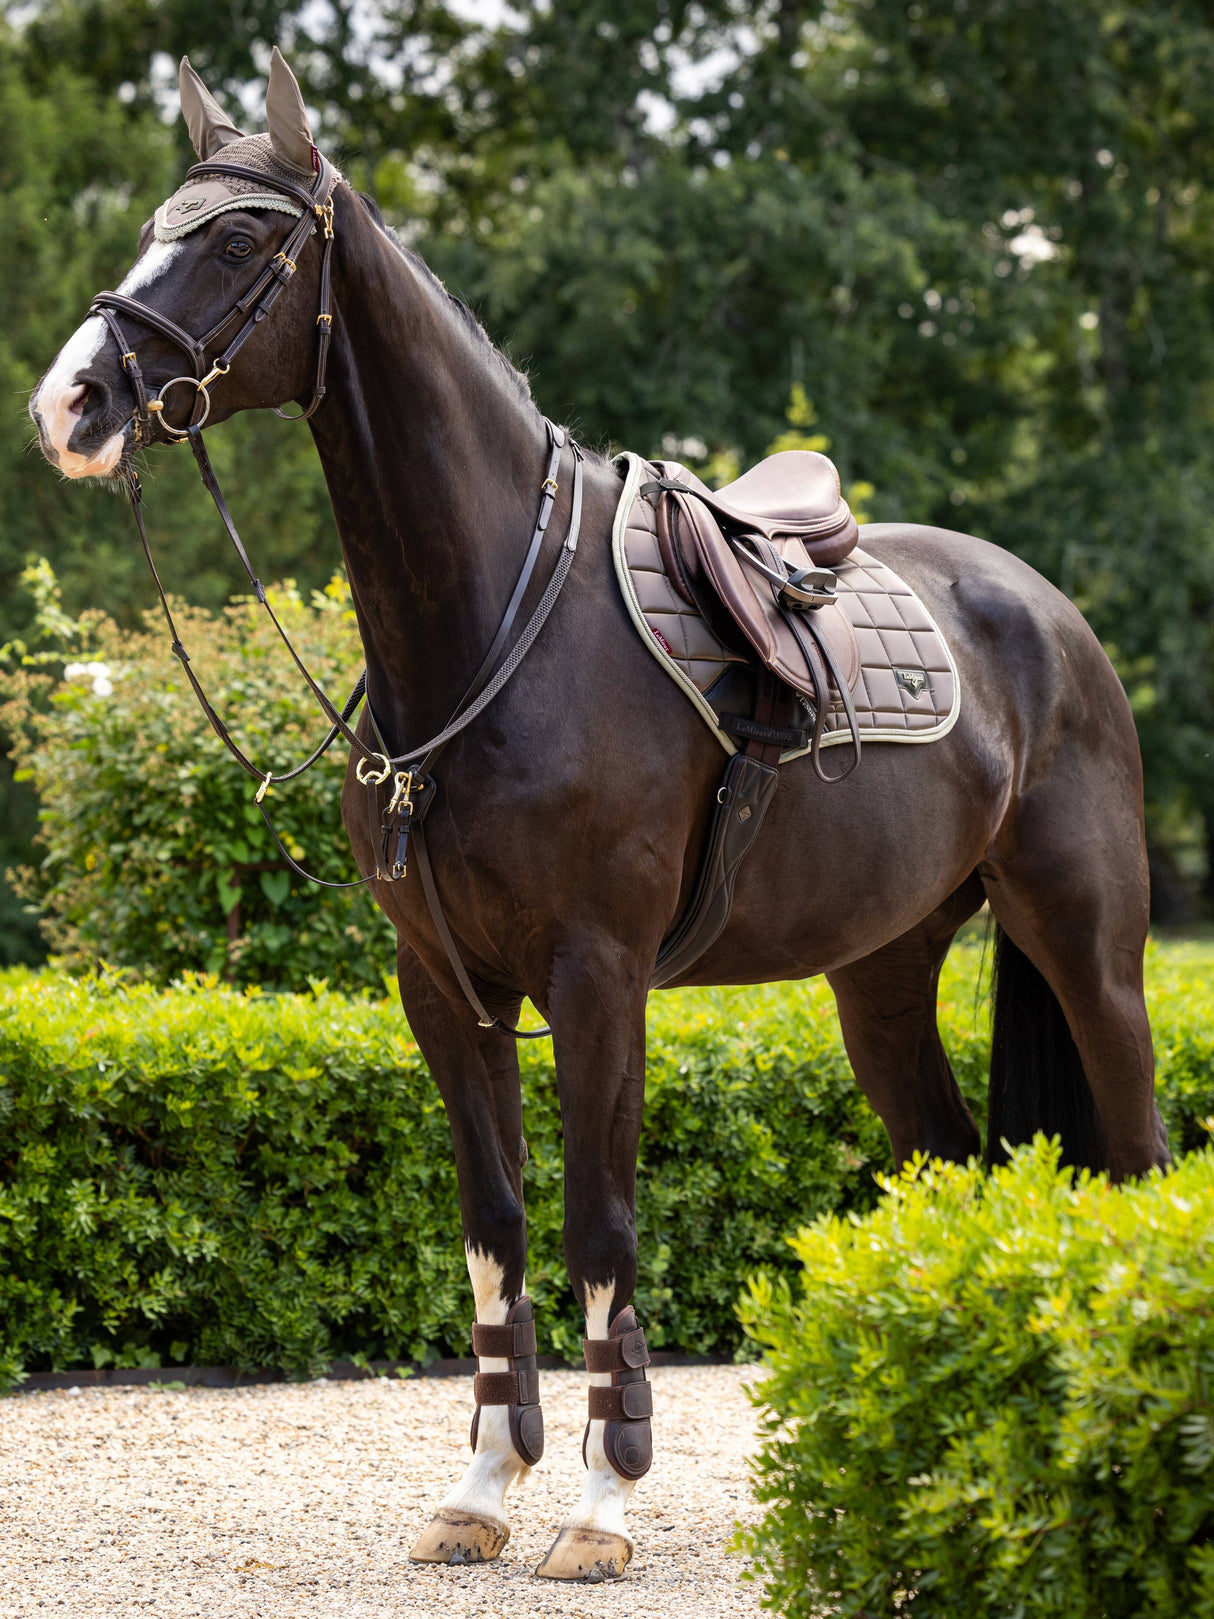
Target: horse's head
[{"x": 188, "y": 320}]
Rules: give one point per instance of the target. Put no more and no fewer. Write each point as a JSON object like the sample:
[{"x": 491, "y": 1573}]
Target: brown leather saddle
[{"x": 756, "y": 557}]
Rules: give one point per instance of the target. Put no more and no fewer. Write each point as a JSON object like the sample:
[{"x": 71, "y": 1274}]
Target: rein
[{"x": 391, "y": 828}]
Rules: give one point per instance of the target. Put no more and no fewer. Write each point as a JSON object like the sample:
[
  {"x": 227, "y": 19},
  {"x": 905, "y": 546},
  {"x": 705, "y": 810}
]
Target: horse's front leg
[
  {"x": 598, "y": 1020},
  {"x": 476, "y": 1071}
]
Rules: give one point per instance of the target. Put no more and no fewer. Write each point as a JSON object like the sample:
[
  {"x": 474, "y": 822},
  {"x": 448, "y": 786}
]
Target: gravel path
[{"x": 303, "y": 1500}]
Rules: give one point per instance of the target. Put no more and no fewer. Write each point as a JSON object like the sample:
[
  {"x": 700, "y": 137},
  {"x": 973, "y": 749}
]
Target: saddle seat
[{"x": 794, "y": 494}]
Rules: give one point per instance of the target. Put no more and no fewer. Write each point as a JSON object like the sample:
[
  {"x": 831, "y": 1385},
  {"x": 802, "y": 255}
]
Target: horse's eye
[{"x": 238, "y": 248}]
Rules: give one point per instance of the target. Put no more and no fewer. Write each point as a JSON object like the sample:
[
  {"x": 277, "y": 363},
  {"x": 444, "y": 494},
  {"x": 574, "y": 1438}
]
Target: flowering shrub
[{"x": 157, "y": 858}]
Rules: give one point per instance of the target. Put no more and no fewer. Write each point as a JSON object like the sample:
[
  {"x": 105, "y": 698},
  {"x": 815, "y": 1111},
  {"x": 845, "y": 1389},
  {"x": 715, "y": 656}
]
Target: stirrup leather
[
  {"x": 627, "y": 1406},
  {"x": 517, "y": 1389}
]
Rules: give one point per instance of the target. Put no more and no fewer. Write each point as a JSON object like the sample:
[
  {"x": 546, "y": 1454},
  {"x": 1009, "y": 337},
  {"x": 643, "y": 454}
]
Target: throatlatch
[
  {"x": 517, "y": 1389},
  {"x": 627, "y": 1406}
]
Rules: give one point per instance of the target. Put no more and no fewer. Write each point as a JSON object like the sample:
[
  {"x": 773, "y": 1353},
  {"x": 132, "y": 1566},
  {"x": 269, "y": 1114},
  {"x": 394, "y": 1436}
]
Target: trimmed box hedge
[
  {"x": 209, "y": 1176},
  {"x": 994, "y": 1396}
]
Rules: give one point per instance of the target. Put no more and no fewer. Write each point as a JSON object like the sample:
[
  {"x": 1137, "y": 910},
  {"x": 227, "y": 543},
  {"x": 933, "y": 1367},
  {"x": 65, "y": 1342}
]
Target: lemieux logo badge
[{"x": 912, "y": 680}]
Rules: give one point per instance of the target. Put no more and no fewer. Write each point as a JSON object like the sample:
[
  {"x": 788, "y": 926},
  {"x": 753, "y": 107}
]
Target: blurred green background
[{"x": 978, "y": 234}]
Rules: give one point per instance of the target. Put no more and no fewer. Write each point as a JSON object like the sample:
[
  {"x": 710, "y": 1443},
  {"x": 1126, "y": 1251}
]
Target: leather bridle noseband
[
  {"x": 412, "y": 791},
  {"x": 255, "y": 305}
]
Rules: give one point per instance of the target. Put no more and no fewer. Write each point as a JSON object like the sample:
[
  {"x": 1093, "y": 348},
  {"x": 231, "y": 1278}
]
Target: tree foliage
[{"x": 978, "y": 234}]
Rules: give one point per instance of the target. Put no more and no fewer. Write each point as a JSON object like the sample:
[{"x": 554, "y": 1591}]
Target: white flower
[{"x": 98, "y": 673}]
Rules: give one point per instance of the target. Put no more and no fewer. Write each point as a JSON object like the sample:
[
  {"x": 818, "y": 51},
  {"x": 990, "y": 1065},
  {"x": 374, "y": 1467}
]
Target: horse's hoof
[
  {"x": 459, "y": 1537},
  {"x": 587, "y": 1555}
]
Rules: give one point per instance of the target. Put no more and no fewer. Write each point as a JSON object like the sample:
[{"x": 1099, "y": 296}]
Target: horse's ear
[
  {"x": 290, "y": 132},
  {"x": 204, "y": 118}
]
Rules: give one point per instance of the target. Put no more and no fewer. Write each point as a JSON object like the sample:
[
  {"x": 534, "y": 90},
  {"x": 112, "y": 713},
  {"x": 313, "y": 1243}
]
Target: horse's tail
[{"x": 1037, "y": 1079}]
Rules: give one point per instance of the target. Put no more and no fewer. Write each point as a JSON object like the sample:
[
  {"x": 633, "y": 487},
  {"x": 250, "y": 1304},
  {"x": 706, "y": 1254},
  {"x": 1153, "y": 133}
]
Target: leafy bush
[
  {"x": 157, "y": 858},
  {"x": 202, "y": 1175},
  {"x": 994, "y": 1396}
]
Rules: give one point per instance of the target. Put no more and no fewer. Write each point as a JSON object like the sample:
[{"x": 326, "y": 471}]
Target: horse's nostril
[{"x": 77, "y": 405}]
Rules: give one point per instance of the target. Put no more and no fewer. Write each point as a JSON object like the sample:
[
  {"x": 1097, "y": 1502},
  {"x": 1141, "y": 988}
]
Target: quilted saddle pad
[{"x": 908, "y": 688}]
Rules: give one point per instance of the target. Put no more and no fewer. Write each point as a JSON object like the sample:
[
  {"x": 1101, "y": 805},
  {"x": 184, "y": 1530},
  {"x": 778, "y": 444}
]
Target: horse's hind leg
[
  {"x": 1067, "y": 881},
  {"x": 477, "y": 1074},
  {"x": 887, "y": 1010}
]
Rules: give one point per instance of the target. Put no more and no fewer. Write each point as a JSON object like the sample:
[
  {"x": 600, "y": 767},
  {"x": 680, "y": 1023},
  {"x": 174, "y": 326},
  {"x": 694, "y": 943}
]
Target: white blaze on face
[{"x": 59, "y": 400}]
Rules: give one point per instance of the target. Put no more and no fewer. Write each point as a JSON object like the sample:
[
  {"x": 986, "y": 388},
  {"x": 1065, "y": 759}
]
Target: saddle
[
  {"x": 759, "y": 552},
  {"x": 672, "y": 540}
]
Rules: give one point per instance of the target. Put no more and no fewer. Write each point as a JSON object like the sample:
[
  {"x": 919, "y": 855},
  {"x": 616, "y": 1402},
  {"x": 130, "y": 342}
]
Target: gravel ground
[{"x": 303, "y": 1500}]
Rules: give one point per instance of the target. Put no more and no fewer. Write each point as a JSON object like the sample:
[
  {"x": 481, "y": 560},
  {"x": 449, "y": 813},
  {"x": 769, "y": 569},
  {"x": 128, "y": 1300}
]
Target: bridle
[
  {"x": 413, "y": 789},
  {"x": 255, "y": 305}
]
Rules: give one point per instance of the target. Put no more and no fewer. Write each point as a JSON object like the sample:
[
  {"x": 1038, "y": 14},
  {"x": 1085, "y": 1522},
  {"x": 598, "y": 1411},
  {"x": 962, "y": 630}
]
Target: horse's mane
[{"x": 516, "y": 377}]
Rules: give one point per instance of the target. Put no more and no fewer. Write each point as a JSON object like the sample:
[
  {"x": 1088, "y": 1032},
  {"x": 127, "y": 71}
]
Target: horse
[{"x": 564, "y": 829}]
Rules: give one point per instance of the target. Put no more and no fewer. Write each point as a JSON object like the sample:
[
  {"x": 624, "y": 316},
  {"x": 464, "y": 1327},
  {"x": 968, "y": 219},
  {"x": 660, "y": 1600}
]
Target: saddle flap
[{"x": 748, "y": 598}]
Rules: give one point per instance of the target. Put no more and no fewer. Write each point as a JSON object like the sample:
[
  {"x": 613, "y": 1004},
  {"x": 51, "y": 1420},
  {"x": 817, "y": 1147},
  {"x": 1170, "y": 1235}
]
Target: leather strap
[
  {"x": 479, "y": 695},
  {"x": 507, "y": 1388},
  {"x": 615, "y": 1354},
  {"x": 517, "y": 1339},
  {"x": 743, "y": 798},
  {"x": 423, "y": 756},
  {"x": 625, "y": 1402}
]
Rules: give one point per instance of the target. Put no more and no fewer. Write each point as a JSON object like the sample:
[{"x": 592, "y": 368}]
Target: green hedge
[
  {"x": 200, "y": 1175},
  {"x": 995, "y": 1396}
]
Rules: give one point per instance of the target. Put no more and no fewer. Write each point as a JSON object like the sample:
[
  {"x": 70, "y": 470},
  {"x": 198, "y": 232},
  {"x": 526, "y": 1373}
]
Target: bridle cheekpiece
[{"x": 254, "y": 306}]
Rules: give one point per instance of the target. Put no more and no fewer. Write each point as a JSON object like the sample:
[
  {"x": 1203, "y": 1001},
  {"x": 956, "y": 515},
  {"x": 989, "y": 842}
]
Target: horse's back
[{"x": 1041, "y": 712}]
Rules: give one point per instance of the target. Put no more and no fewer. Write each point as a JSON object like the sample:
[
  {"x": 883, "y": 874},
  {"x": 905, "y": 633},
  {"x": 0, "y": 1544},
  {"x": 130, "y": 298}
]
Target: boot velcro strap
[
  {"x": 513, "y": 1342},
  {"x": 616, "y": 1354},
  {"x": 507, "y": 1388},
  {"x": 627, "y": 1403}
]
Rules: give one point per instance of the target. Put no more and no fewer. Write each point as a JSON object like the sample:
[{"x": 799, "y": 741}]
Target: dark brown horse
[{"x": 569, "y": 818}]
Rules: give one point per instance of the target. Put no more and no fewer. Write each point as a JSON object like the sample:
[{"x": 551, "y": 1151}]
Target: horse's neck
[{"x": 433, "y": 458}]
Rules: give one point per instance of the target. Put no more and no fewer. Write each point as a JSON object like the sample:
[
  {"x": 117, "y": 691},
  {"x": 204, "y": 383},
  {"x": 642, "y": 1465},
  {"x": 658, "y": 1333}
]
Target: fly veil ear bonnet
[{"x": 286, "y": 153}]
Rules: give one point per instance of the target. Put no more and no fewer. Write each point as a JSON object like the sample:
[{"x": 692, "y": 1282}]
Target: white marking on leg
[
  {"x": 59, "y": 398},
  {"x": 606, "y": 1494},
  {"x": 496, "y": 1464}
]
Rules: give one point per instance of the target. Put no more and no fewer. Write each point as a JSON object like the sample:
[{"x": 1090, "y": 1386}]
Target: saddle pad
[{"x": 908, "y": 691}]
